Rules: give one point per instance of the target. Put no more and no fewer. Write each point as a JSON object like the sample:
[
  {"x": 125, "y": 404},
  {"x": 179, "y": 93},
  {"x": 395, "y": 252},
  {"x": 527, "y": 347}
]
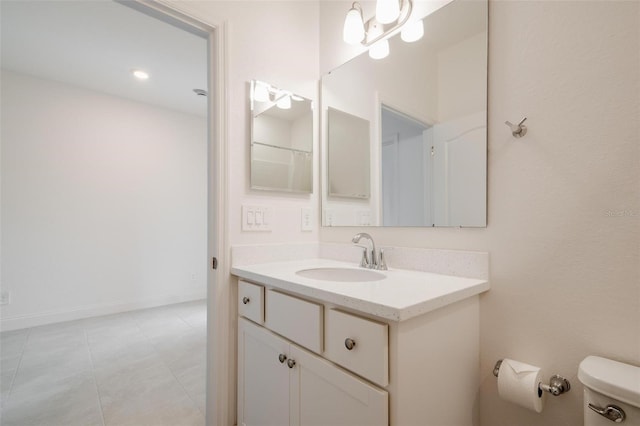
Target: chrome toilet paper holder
[{"x": 557, "y": 384}]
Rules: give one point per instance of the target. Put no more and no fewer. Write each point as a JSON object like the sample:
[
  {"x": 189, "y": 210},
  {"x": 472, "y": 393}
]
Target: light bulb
[
  {"x": 412, "y": 32},
  {"x": 260, "y": 92},
  {"x": 353, "y": 32},
  {"x": 387, "y": 11},
  {"x": 284, "y": 102},
  {"x": 379, "y": 50}
]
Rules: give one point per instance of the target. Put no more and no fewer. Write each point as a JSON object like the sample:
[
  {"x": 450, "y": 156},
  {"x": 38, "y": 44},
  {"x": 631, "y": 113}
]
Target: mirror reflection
[
  {"x": 426, "y": 108},
  {"x": 281, "y": 139},
  {"x": 348, "y": 155}
]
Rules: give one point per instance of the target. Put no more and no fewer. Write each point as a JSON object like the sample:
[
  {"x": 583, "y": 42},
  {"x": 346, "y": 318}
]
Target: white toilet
[{"x": 611, "y": 392}]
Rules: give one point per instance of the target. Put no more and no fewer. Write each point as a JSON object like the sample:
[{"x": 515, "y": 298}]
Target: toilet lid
[{"x": 611, "y": 378}]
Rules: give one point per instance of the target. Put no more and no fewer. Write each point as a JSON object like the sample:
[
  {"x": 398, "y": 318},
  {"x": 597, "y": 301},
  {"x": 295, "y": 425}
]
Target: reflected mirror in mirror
[
  {"x": 348, "y": 155},
  {"x": 281, "y": 139},
  {"x": 426, "y": 103}
]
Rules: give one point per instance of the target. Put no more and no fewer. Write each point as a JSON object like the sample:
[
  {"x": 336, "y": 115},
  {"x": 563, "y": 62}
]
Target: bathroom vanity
[{"x": 342, "y": 348}]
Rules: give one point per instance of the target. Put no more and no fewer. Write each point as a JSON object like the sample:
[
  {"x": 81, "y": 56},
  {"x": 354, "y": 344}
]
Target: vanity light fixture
[
  {"x": 353, "y": 31},
  {"x": 387, "y": 11},
  {"x": 264, "y": 92},
  {"x": 412, "y": 32},
  {"x": 139, "y": 74},
  {"x": 379, "y": 49},
  {"x": 391, "y": 15},
  {"x": 284, "y": 101},
  {"x": 261, "y": 91}
]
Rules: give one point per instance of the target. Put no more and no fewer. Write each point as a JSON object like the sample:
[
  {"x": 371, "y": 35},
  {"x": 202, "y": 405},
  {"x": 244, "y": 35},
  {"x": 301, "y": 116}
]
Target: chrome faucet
[{"x": 376, "y": 261}]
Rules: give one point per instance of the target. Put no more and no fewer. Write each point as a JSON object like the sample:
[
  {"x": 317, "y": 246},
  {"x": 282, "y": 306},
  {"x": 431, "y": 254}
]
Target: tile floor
[{"x": 143, "y": 367}]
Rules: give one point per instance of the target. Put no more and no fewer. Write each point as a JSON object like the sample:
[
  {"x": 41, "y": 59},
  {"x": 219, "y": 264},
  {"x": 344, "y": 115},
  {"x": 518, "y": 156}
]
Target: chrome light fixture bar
[{"x": 356, "y": 30}]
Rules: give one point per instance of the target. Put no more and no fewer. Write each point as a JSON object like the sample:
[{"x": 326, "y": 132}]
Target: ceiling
[{"x": 95, "y": 44}]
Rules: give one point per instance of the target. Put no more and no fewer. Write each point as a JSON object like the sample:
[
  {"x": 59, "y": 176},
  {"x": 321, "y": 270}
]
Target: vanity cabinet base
[
  {"x": 282, "y": 384},
  {"x": 430, "y": 378},
  {"x": 434, "y": 362}
]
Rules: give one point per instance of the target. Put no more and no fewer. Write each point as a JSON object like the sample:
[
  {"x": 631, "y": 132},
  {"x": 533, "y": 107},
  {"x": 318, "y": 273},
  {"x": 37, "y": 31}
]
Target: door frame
[{"x": 220, "y": 375}]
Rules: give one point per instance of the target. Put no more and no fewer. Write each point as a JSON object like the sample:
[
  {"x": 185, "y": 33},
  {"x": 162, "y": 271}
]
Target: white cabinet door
[
  {"x": 263, "y": 381},
  {"x": 323, "y": 394}
]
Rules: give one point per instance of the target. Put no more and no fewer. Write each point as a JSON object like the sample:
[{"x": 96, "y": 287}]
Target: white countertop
[{"x": 402, "y": 295}]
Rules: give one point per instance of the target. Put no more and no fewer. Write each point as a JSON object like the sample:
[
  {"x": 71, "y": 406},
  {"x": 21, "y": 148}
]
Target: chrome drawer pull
[
  {"x": 349, "y": 343},
  {"x": 282, "y": 358},
  {"x": 611, "y": 412},
  {"x": 291, "y": 363},
  {"x": 246, "y": 300}
]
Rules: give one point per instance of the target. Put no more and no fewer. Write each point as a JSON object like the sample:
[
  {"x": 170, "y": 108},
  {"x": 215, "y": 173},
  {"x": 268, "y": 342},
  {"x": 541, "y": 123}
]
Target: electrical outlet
[
  {"x": 193, "y": 277},
  {"x": 363, "y": 218},
  {"x": 5, "y": 298}
]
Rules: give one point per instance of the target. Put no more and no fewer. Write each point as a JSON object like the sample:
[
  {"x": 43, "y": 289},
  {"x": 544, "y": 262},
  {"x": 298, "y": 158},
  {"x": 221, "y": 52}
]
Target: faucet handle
[
  {"x": 382, "y": 265},
  {"x": 364, "y": 261}
]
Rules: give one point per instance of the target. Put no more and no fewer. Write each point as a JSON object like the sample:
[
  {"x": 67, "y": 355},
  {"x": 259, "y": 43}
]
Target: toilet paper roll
[{"x": 518, "y": 383}]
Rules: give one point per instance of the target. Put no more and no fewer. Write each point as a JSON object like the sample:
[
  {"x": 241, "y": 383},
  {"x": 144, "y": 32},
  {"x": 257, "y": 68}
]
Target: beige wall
[{"x": 563, "y": 203}]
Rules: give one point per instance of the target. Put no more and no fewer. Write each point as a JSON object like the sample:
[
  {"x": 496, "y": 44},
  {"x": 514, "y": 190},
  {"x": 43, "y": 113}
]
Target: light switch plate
[
  {"x": 328, "y": 217},
  {"x": 305, "y": 220},
  {"x": 256, "y": 218}
]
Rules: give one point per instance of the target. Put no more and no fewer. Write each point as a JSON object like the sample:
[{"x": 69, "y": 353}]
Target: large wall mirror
[
  {"x": 281, "y": 140},
  {"x": 426, "y": 106}
]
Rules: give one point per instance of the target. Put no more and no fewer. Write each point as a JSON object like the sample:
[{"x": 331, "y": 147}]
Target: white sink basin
[{"x": 341, "y": 274}]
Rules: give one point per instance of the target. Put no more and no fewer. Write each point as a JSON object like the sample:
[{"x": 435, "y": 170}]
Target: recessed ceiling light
[{"x": 139, "y": 74}]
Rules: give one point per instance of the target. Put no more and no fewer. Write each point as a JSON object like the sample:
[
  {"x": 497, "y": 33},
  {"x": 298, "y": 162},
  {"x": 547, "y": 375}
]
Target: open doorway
[
  {"x": 104, "y": 199},
  {"x": 406, "y": 169}
]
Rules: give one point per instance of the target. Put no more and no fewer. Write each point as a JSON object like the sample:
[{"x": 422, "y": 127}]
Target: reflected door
[{"x": 459, "y": 179}]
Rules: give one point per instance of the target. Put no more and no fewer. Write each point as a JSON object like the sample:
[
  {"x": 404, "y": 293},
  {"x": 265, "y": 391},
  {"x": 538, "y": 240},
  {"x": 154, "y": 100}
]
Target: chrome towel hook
[{"x": 517, "y": 130}]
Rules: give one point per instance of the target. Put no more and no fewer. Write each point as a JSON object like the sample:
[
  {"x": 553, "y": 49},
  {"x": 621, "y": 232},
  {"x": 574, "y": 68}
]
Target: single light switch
[
  {"x": 328, "y": 217},
  {"x": 305, "y": 220},
  {"x": 259, "y": 215}
]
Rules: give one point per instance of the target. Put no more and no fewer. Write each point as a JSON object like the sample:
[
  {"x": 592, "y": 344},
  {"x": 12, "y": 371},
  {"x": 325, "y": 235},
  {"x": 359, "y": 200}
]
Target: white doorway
[
  {"x": 406, "y": 170},
  {"x": 213, "y": 190}
]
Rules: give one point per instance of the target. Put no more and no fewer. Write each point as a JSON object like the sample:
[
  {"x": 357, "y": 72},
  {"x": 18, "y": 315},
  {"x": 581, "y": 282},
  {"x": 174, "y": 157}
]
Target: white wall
[
  {"x": 563, "y": 202},
  {"x": 275, "y": 42},
  {"x": 103, "y": 203}
]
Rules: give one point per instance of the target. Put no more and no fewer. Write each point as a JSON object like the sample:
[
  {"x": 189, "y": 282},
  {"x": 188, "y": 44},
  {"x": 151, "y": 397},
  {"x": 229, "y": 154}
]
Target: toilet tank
[{"x": 612, "y": 384}]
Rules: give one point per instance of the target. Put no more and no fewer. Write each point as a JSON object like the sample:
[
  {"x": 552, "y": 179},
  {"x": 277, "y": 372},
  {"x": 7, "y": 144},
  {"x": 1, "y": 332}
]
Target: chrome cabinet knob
[
  {"x": 282, "y": 358},
  {"x": 349, "y": 343},
  {"x": 291, "y": 363},
  {"x": 246, "y": 300}
]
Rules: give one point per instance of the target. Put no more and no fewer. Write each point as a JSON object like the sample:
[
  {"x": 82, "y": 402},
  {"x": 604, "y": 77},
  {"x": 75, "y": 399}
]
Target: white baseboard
[{"x": 34, "y": 320}]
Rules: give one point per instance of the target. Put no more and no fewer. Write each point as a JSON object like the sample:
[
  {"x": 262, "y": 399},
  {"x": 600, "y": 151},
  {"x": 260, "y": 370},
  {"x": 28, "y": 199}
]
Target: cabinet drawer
[
  {"x": 251, "y": 301},
  {"x": 295, "y": 319},
  {"x": 368, "y": 341}
]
